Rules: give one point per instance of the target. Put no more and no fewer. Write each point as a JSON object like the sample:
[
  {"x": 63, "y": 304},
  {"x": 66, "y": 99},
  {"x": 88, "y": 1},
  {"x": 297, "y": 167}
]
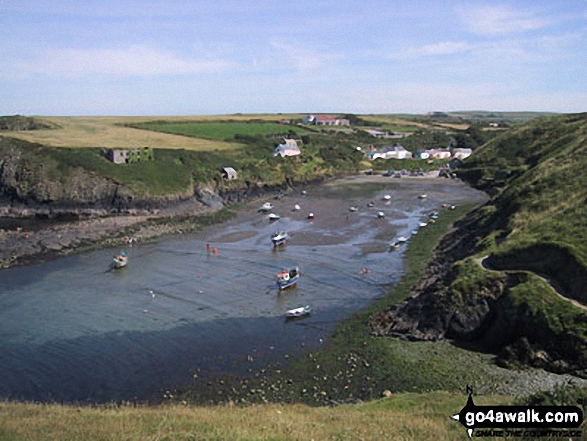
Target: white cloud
[
  {"x": 431, "y": 50},
  {"x": 299, "y": 57},
  {"x": 500, "y": 20},
  {"x": 135, "y": 60}
]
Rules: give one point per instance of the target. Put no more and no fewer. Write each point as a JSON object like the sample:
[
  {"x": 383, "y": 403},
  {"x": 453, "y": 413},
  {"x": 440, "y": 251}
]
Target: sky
[{"x": 202, "y": 57}]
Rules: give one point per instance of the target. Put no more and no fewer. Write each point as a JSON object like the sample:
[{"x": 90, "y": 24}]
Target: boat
[
  {"x": 298, "y": 312},
  {"x": 274, "y": 217},
  {"x": 394, "y": 246},
  {"x": 353, "y": 209},
  {"x": 381, "y": 215},
  {"x": 311, "y": 216},
  {"x": 402, "y": 239},
  {"x": 371, "y": 204},
  {"x": 386, "y": 197},
  {"x": 414, "y": 232},
  {"x": 266, "y": 206},
  {"x": 288, "y": 277},
  {"x": 423, "y": 196},
  {"x": 279, "y": 238},
  {"x": 297, "y": 208},
  {"x": 121, "y": 260},
  {"x": 422, "y": 224}
]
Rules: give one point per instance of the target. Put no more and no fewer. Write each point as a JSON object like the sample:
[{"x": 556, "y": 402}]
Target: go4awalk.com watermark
[{"x": 520, "y": 421}]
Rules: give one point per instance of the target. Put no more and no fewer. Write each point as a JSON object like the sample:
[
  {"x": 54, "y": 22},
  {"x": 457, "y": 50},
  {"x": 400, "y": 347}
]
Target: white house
[
  {"x": 387, "y": 152},
  {"x": 324, "y": 120},
  {"x": 288, "y": 148},
  {"x": 439, "y": 154},
  {"x": 461, "y": 153}
]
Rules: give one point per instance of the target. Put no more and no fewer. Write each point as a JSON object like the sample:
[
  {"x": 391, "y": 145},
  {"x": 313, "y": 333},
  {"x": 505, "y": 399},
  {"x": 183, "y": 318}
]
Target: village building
[
  {"x": 461, "y": 153},
  {"x": 288, "y": 148},
  {"x": 128, "y": 156},
  {"x": 325, "y": 120},
  {"x": 396, "y": 151},
  {"x": 229, "y": 173},
  {"x": 439, "y": 154}
]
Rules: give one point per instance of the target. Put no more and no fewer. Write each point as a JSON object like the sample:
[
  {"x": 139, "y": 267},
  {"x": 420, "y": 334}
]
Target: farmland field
[{"x": 216, "y": 130}]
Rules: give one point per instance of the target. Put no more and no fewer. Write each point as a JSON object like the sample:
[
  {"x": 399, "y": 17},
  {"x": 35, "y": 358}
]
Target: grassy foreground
[{"x": 400, "y": 417}]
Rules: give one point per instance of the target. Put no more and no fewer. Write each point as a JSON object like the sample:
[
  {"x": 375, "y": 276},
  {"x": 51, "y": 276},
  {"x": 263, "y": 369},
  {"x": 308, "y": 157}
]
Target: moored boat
[
  {"x": 274, "y": 217},
  {"x": 288, "y": 277},
  {"x": 121, "y": 260},
  {"x": 266, "y": 206},
  {"x": 279, "y": 238},
  {"x": 298, "y": 312},
  {"x": 381, "y": 215}
]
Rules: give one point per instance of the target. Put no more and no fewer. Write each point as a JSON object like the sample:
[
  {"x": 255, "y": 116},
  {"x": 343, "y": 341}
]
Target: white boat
[
  {"x": 402, "y": 239},
  {"x": 422, "y": 224},
  {"x": 353, "y": 209},
  {"x": 279, "y": 238},
  {"x": 297, "y": 207},
  {"x": 274, "y": 217},
  {"x": 381, "y": 215},
  {"x": 386, "y": 197},
  {"x": 266, "y": 206},
  {"x": 298, "y": 312},
  {"x": 311, "y": 216},
  {"x": 414, "y": 232},
  {"x": 423, "y": 196},
  {"x": 394, "y": 246},
  {"x": 121, "y": 260},
  {"x": 288, "y": 277}
]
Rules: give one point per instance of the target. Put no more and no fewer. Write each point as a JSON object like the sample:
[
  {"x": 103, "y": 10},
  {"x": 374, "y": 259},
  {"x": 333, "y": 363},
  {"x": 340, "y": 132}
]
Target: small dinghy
[
  {"x": 423, "y": 196},
  {"x": 288, "y": 277},
  {"x": 274, "y": 217},
  {"x": 394, "y": 246},
  {"x": 266, "y": 206},
  {"x": 121, "y": 260},
  {"x": 279, "y": 238},
  {"x": 402, "y": 239},
  {"x": 297, "y": 208},
  {"x": 302, "y": 311},
  {"x": 353, "y": 209},
  {"x": 387, "y": 197},
  {"x": 311, "y": 216},
  {"x": 381, "y": 215}
]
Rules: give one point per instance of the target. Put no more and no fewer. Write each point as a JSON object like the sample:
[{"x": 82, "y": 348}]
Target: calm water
[{"x": 72, "y": 330}]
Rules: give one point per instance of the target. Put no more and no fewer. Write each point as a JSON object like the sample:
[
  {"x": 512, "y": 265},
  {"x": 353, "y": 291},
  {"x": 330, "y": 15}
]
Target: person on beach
[{"x": 208, "y": 248}]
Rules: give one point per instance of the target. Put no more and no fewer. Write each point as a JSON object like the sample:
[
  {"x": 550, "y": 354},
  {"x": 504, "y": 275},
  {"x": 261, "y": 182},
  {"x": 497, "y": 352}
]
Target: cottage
[
  {"x": 127, "y": 156},
  {"x": 324, "y": 120},
  {"x": 396, "y": 151},
  {"x": 439, "y": 154},
  {"x": 229, "y": 173},
  {"x": 461, "y": 153},
  {"x": 288, "y": 148}
]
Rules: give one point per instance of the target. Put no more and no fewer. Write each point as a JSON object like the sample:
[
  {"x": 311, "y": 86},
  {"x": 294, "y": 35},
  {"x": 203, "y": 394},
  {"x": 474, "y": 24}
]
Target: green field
[{"x": 222, "y": 130}]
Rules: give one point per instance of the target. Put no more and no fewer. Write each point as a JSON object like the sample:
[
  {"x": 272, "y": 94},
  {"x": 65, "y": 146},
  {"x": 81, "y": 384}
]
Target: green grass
[
  {"x": 222, "y": 130},
  {"x": 403, "y": 416}
]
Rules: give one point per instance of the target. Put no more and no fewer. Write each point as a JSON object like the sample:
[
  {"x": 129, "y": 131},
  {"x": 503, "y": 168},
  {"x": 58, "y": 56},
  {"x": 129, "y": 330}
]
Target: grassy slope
[
  {"x": 537, "y": 175},
  {"x": 404, "y": 416},
  {"x": 544, "y": 200}
]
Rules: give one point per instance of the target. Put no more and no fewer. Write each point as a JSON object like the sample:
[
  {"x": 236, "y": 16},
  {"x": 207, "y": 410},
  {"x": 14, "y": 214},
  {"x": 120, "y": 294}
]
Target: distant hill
[
  {"x": 500, "y": 280},
  {"x": 20, "y": 123}
]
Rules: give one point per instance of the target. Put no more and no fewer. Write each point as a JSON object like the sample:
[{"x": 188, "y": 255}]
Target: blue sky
[{"x": 160, "y": 57}]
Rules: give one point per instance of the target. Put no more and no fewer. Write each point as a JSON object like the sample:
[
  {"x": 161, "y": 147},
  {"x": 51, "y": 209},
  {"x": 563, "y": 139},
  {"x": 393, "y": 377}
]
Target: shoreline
[{"x": 49, "y": 240}]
